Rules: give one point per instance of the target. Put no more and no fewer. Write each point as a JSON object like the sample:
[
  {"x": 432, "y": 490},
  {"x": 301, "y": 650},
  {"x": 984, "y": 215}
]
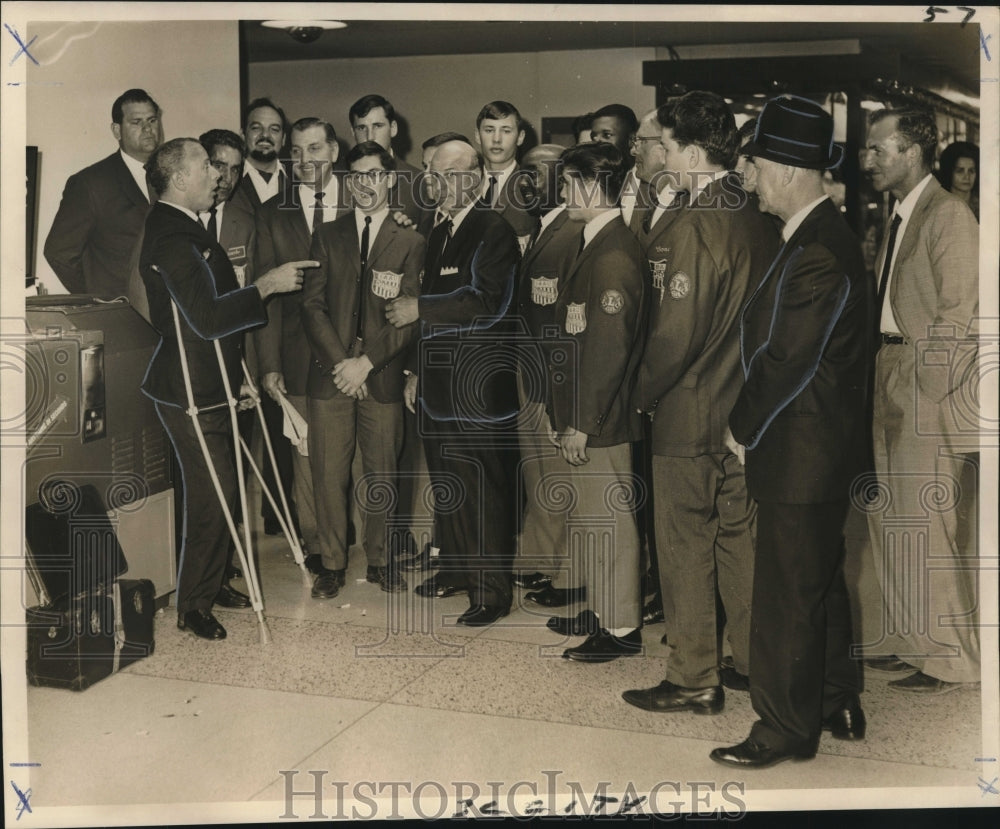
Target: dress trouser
[
  {"x": 474, "y": 474},
  {"x": 704, "y": 529},
  {"x": 302, "y": 482},
  {"x": 801, "y": 668},
  {"x": 205, "y": 533},
  {"x": 274, "y": 421},
  {"x": 336, "y": 428}
]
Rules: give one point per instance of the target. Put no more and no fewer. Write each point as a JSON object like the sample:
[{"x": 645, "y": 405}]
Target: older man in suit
[
  {"x": 468, "y": 395},
  {"x": 181, "y": 263},
  {"x": 103, "y": 207},
  {"x": 926, "y": 417},
  {"x": 799, "y": 421},
  {"x": 705, "y": 260},
  {"x": 355, "y": 384}
]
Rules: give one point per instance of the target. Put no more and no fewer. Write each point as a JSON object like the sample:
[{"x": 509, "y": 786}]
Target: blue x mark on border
[
  {"x": 23, "y": 798},
  {"x": 24, "y": 46},
  {"x": 988, "y": 788}
]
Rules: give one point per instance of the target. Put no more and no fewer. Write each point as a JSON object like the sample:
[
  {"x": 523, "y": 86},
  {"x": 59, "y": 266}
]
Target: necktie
[
  {"x": 448, "y": 227},
  {"x": 491, "y": 191},
  {"x": 886, "y": 266},
  {"x": 365, "y": 236},
  {"x": 359, "y": 331},
  {"x": 212, "y": 226},
  {"x": 318, "y": 211},
  {"x": 265, "y": 176},
  {"x": 583, "y": 244}
]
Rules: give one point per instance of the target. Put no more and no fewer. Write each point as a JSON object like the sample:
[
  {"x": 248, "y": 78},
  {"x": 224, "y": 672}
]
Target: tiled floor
[{"x": 386, "y": 689}]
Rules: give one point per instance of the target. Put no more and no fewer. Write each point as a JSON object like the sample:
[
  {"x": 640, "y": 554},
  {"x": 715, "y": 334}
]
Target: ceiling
[{"x": 948, "y": 51}]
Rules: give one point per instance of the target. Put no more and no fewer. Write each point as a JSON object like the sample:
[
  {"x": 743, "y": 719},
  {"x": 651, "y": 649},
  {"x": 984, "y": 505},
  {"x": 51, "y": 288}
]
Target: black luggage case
[{"x": 79, "y": 640}]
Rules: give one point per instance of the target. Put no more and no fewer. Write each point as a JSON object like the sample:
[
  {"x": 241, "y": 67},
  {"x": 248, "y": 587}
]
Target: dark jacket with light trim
[
  {"x": 706, "y": 262},
  {"x": 591, "y": 388},
  {"x": 805, "y": 346}
]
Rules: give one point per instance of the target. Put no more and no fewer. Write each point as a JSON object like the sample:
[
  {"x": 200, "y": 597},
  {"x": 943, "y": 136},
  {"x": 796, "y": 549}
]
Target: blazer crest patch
[
  {"x": 612, "y": 301},
  {"x": 544, "y": 290},
  {"x": 385, "y": 284},
  {"x": 576, "y": 317},
  {"x": 658, "y": 267},
  {"x": 680, "y": 285},
  {"x": 241, "y": 274}
]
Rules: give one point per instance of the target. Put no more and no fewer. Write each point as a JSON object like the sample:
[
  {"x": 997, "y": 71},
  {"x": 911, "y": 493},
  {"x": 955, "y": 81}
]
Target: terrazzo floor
[{"x": 373, "y": 690}]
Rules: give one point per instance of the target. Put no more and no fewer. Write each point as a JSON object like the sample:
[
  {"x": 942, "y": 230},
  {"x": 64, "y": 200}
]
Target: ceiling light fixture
[{"x": 304, "y": 31}]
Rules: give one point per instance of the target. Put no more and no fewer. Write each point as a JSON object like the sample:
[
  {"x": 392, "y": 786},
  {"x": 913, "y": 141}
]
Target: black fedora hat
[{"x": 797, "y": 132}]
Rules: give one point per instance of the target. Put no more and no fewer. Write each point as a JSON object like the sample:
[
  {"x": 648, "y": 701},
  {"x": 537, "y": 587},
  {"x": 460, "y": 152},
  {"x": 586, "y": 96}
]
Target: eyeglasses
[{"x": 368, "y": 176}]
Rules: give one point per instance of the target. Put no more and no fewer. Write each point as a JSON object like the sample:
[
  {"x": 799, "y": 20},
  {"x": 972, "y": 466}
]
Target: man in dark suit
[
  {"x": 705, "y": 260},
  {"x": 468, "y": 391},
  {"x": 104, "y": 206},
  {"x": 374, "y": 119},
  {"x": 601, "y": 307},
  {"x": 926, "y": 412},
  {"x": 805, "y": 339},
  {"x": 285, "y": 228},
  {"x": 181, "y": 262},
  {"x": 355, "y": 383}
]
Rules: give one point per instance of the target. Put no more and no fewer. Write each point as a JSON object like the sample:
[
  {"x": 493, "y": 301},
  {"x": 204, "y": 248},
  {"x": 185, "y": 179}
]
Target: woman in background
[{"x": 959, "y": 173}]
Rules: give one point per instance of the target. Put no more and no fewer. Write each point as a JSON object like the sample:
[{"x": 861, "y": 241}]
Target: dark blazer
[
  {"x": 510, "y": 204},
  {"x": 192, "y": 268},
  {"x": 544, "y": 268},
  {"x": 96, "y": 228},
  {"x": 330, "y": 304},
  {"x": 805, "y": 345},
  {"x": 465, "y": 357},
  {"x": 247, "y": 193},
  {"x": 609, "y": 281},
  {"x": 705, "y": 262},
  {"x": 406, "y": 195},
  {"x": 283, "y": 236}
]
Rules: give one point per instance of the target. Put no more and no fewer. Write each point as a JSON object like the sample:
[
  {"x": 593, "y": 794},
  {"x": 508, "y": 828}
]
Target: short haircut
[
  {"x": 747, "y": 132},
  {"x": 705, "y": 120},
  {"x": 582, "y": 122},
  {"x": 444, "y": 138},
  {"x": 308, "y": 122},
  {"x": 371, "y": 148},
  {"x": 363, "y": 106},
  {"x": 166, "y": 160},
  {"x": 597, "y": 161},
  {"x": 130, "y": 96},
  {"x": 950, "y": 156},
  {"x": 497, "y": 111},
  {"x": 915, "y": 126},
  {"x": 623, "y": 113},
  {"x": 259, "y": 103},
  {"x": 225, "y": 138}
]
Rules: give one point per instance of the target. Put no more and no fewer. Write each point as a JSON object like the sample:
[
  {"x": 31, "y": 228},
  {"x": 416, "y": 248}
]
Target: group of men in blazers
[{"x": 539, "y": 324}]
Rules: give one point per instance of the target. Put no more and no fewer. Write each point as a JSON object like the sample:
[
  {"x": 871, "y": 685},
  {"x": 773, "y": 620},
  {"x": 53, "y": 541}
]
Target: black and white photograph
[{"x": 460, "y": 410}]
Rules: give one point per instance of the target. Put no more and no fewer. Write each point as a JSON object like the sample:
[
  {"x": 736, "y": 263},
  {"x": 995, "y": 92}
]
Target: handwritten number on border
[{"x": 933, "y": 11}]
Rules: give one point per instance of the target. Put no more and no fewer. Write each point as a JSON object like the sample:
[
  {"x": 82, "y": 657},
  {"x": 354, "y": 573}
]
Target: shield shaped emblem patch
[
  {"x": 543, "y": 290},
  {"x": 576, "y": 317},
  {"x": 385, "y": 284}
]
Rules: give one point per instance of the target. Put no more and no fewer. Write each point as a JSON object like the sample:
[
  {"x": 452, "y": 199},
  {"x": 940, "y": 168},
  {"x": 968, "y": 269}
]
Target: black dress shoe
[
  {"x": 887, "y": 664},
  {"x": 601, "y": 646},
  {"x": 201, "y": 623},
  {"x": 667, "y": 697},
  {"x": 229, "y": 596},
  {"x": 388, "y": 578},
  {"x": 328, "y": 584},
  {"x": 752, "y": 755},
  {"x": 550, "y": 596},
  {"x": 921, "y": 683},
  {"x": 532, "y": 581},
  {"x": 652, "y": 613},
  {"x": 731, "y": 678},
  {"x": 583, "y": 624},
  {"x": 480, "y": 615},
  {"x": 848, "y": 723},
  {"x": 421, "y": 561},
  {"x": 233, "y": 571},
  {"x": 434, "y": 588}
]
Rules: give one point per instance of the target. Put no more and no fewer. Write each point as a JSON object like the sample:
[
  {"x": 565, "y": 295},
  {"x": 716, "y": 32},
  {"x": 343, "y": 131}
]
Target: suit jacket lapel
[
  {"x": 386, "y": 233},
  {"x": 128, "y": 183},
  {"x": 588, "y": 251}
]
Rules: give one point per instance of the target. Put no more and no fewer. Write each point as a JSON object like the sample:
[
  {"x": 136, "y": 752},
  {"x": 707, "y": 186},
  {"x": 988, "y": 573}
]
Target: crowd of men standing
[{"x": 655, "y": 348}]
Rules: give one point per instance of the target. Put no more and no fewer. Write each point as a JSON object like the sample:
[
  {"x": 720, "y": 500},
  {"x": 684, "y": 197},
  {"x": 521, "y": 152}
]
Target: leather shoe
[
  {"x": 847, "y": 723},
  {"x": 667, "y": 697},
  {"x": 201, "y": 623},
  {"x": 583, "y": 624},
  {"x": 601, "y": 646},
  {"x": 532, "y": 581},
  {"x": 752, "y": 755},
  {"x": 233, "y": 571},
  {"x": 550, "y": 596},
  {"x": 887, "y": 664},
  {"x": 921, "y": 683},
  {"x": 229, "y": 596},
  {"x": 731, "y": 678},
  {"x": 421, "y": 561},
  {"x": 433, "y": 588},
  {"x": 652, "y": 613},
  {"x": 389, "y": 579},
  {"x": 480, "y": 615},
  {"x": 328, "y": 584}
]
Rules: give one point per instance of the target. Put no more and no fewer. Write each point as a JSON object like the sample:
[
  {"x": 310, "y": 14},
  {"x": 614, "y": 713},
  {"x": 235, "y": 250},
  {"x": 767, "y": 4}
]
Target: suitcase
[{"x": 79, "y": 640}]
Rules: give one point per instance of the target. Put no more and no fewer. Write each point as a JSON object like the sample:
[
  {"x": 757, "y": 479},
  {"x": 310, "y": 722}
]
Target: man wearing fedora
[{"x": 800, "y": 422}]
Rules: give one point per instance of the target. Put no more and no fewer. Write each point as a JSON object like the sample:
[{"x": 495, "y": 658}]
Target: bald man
[{"x": 463, "y": 378}]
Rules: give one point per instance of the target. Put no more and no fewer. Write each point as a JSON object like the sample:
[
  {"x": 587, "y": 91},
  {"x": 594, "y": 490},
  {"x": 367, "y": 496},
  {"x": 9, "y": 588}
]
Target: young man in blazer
[
  {"x": 355, "y": 384},
  {"x": 799, "y": 421},
  {"x": 601, "y": 306}
]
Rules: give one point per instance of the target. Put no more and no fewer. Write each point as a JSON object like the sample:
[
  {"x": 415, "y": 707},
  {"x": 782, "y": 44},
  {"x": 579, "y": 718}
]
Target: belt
[{"x": 893, "y": 339}]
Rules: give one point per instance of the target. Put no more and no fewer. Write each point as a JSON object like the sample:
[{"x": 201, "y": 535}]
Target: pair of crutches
[{"x": 240, "y": 448}]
